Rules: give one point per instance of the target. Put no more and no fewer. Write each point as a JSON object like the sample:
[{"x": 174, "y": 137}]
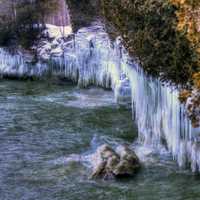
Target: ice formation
[{"x": 89, "y": 57}]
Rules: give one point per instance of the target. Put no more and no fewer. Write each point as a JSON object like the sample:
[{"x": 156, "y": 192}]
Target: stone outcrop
[
  {"x": 61, "y": 15},
  {"x": 109, "y": 163}
]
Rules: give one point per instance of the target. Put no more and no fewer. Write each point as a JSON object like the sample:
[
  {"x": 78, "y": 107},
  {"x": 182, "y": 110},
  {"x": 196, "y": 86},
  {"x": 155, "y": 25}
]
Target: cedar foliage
[{"x": 149, "y": 28}]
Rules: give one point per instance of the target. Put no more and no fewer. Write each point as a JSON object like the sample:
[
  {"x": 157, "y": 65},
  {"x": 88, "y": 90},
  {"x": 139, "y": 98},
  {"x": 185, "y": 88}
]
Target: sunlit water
[{"x": 42, "y": 124}]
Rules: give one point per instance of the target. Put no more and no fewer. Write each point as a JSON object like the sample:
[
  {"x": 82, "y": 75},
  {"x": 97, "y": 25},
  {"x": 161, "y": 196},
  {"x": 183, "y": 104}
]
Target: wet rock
[
  {"x": 109, "y": 163},
  {"x": 129, "y": 162},
  {"x": 103, "y": 161}
]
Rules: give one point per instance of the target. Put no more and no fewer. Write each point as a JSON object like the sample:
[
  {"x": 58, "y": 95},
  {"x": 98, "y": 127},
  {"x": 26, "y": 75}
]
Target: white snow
[{"x": 58, "y": 31}]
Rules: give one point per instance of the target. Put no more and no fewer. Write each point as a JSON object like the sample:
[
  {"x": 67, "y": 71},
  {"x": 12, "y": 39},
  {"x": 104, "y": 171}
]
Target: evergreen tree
[{"x": 23, "y": 20}]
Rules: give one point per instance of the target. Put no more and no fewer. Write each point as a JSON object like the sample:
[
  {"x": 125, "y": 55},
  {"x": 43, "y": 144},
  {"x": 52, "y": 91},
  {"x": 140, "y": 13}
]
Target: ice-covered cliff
[{"x": 89, "y": 57}]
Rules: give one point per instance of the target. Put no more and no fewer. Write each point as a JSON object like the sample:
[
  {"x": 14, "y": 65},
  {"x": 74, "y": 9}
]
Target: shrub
[{"x": 149, "y": 29}]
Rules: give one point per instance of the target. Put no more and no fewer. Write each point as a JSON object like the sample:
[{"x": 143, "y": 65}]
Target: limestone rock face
[
  {"x": 60, "y": 16},
  {"x": 110, "y": 163}
]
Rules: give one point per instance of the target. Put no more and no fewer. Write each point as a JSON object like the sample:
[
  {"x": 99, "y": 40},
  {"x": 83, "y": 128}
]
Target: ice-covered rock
[
  {"x": 57, "y": 52},
  {"x": 53, "y": 31},
  {"x": 53, "y": 42}
]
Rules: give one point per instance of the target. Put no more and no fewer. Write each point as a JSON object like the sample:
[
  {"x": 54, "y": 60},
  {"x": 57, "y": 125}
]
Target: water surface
[{"x": 43, "y": 123}]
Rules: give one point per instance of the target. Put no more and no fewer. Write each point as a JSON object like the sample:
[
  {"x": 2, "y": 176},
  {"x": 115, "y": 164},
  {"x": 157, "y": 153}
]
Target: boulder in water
[
  {"x": 103, "y": 161},
  {"x": 129, "y": 162},
  {"x": 109, "y": 163}
]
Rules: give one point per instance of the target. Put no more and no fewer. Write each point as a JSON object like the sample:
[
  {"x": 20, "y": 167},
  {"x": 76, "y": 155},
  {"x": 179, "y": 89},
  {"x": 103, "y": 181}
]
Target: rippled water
[{"x": 42, "y": 123}]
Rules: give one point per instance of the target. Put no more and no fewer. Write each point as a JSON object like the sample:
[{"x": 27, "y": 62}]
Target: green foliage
[
  {"x": 5, "y": 34},
  {"x": 149, "y": 30},
  {"x": 23, "y": 20},
  {"x": 83, "y": 12}
]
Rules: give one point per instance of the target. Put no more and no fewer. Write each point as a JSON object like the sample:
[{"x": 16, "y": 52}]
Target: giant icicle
[
  {"x": 17, "y": 65},
  {"x": 160, "y": 117},
  {"x": 91, "y": 58}
]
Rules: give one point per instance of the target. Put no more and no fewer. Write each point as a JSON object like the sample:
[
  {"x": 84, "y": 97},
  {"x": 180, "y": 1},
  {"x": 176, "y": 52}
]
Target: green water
[{"x": 42, "y": 124}]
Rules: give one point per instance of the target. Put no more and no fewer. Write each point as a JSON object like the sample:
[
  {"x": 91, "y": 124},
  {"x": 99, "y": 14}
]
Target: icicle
[
  {"x": 91, "y": 58},
  {"x": 16, "y": 65},
  {"x": 159, "y": 115}
]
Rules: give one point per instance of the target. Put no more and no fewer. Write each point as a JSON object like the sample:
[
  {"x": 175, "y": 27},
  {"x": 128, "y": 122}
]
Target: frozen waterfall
[
  {"x": 89, "y": 57},
  {"x": 18, "y": 65}
]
